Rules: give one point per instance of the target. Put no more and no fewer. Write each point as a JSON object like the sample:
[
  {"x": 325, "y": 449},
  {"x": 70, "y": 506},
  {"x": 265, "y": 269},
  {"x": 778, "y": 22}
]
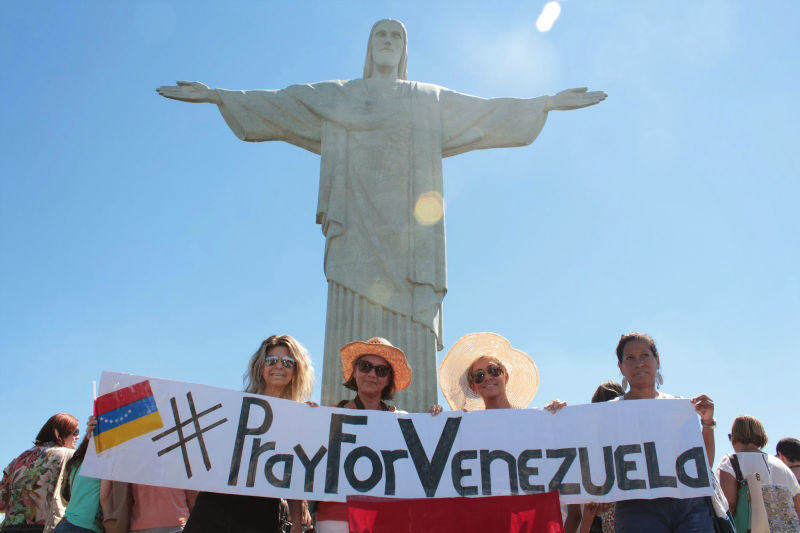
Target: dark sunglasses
[
  {"x": 286, "y": 362},
  {"x": 380, "y": 370},
  {"x": 480, "y": 375}
]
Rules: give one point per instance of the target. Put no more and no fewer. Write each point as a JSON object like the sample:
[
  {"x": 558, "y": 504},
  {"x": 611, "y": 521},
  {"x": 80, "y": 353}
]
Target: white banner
[{"x": 169, "y": 433}]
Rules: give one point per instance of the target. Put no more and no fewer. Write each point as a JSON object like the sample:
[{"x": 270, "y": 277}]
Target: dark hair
[
  {"x": 73, "y": 463},
  {"x": 388, "y": 391},
  {"x": 636, "y": 336},
  {"x": 789, "y": 448},
  {"x": 748, "y": 429},
  {"x": 607, "y": 391},
  {"x": 57, "y": 429}
]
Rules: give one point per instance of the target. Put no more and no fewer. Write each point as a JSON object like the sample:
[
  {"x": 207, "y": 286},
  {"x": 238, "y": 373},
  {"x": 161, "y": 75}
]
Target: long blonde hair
[
  {"x": 402, "y": 66},
  {"x": 302, "y": 382}
]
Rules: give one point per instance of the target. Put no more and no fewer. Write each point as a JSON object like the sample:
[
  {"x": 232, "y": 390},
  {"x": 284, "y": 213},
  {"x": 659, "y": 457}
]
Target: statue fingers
[
  {"x": 593, "y": 98},
  {"x": 175, "y": 93},
  {"x": 169, "y": 91}
]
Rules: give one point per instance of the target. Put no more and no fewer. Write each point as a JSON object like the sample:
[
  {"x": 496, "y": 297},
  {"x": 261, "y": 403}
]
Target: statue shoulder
[
  {"x": 320, "y": 86},
  {"x": 427, "y": 87}
]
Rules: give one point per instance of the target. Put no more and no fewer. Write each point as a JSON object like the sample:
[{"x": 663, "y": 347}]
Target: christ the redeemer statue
[{"x": 382, "y": 139}]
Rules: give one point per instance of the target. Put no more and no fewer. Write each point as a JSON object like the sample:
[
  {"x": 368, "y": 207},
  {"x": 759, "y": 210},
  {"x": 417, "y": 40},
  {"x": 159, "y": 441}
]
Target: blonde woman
[
  {"x": 483, "y": 371},
  {"x": 280, "y": 368}
]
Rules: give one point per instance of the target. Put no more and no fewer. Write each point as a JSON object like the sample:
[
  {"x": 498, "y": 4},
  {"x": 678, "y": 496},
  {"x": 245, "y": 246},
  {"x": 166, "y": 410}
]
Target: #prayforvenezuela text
[{"x": 176, "y": 434}]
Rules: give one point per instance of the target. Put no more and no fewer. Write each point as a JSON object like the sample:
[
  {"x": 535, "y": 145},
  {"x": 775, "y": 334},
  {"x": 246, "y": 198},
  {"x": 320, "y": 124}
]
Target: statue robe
[{"x": 381, "y": 146}]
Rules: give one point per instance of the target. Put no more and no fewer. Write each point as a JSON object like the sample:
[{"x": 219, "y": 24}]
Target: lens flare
[
  {"x": 380, "y": 292},
  {"x": 429, "y": 208},
  {"x": 548, "y": 16}
]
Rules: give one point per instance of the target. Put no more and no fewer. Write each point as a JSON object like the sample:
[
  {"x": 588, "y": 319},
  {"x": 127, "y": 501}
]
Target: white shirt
[{"x": 771, "y": 470}]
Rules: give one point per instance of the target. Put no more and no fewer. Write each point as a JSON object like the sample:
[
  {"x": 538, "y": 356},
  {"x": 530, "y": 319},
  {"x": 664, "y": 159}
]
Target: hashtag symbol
[{"x": 198, "y": 432}]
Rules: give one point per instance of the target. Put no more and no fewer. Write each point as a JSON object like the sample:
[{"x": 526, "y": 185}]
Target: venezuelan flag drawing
[{"x": 125, "y": 414}]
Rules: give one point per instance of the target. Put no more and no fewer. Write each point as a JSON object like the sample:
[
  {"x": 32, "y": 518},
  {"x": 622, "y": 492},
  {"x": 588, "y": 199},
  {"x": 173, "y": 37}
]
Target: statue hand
[
  {"x": 576, "y": 98},
  {"x": 189, "y": 91}
]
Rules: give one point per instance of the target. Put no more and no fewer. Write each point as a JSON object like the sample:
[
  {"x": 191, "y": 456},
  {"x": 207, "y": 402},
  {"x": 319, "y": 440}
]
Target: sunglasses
[
  {"x": 286, "y": 362},
  {"x": 480, "y": 375},
  {"x": 380, "y": 370}
]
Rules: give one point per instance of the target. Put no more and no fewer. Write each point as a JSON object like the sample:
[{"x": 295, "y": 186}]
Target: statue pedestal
[{"x": 352, "y": 317}]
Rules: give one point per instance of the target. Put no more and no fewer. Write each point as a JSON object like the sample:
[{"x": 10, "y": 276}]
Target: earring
[
  {"x": 624, "y": 383},
  {"x": 659, "y": 379}
]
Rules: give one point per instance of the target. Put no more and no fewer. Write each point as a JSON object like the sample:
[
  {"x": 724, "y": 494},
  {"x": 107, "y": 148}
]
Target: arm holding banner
[{"x": 705, "y": 408}]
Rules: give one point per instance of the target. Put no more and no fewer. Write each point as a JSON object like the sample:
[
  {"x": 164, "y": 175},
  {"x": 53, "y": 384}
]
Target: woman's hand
[
  {"x": 590, "y": 511},
  {"x": 435, "y": 409},
  {"x": 91, "y": 424},
  {"x": 555, "y": 406},
  {"x": 705, "y": 408}
]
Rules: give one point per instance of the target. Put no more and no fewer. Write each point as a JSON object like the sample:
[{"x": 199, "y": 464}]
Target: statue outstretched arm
[
  {"x": 474, "y": 123},
  {"x": 189, "y": 91},
  {"x": 292, "y": 114},
  {"x": 574, "y": 99}
]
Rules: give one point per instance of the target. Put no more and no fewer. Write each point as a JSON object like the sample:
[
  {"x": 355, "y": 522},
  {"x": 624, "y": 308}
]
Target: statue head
[{"x": 387, "y": 47}]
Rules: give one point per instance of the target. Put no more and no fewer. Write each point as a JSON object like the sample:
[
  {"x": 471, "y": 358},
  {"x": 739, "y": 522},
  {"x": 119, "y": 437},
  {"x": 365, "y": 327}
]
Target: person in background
[
  {"x": 280, "y": 368},
  {"x": 30, "y": 492},
  {"x": 748, "y": 437},
  {"x": 594, "y": 517},
  {"x": 159, "y": 509},
  {"x": 639, "y": 362},
  {"x": 788, "y": 451},
  {"x": 83, "y": 513},
  {"x": 115, "y": 506},
  {"x": 375, "y": 370}
]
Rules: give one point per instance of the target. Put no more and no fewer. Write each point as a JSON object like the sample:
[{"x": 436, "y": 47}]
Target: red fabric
[
  {"x": 530, "y": 513},
  {"x": 332, "y": 511}
]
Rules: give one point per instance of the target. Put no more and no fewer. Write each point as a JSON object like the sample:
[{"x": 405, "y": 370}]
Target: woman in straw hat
[
  {"x": 483, "y": 371},
  {"x": 375, "y": 370},
  {"x": 280, "y": 368}
]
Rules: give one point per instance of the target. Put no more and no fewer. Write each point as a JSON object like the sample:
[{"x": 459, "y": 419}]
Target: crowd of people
[{"x": 43, "y": 489}]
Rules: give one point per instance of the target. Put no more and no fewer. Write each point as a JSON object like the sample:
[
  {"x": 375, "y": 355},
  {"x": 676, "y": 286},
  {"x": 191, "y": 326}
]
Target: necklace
[{"x": 360, "y": 405}]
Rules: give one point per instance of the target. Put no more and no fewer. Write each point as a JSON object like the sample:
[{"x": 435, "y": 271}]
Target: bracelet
[{"x": 712, "y": 425}]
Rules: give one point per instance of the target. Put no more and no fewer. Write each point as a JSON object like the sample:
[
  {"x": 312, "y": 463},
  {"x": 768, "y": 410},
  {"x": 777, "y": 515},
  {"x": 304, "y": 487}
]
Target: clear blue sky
[{"x": 139, "y": 235}]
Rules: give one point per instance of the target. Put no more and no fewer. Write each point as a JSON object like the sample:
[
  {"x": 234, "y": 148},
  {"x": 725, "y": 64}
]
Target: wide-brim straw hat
[
  {"x": 380, "y": 347},
  {"x": 523, "y": 376}
]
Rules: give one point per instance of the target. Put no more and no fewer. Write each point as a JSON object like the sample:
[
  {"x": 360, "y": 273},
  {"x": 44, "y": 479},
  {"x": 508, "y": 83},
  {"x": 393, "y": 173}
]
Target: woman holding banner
[
  {"x": 639, "y": 363},
  {"x": 375, "y": 370},
  {"x": 280, "y": 368},
  {"x": 83, "y": 514},
  {"x": 483, "y": 371}
]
